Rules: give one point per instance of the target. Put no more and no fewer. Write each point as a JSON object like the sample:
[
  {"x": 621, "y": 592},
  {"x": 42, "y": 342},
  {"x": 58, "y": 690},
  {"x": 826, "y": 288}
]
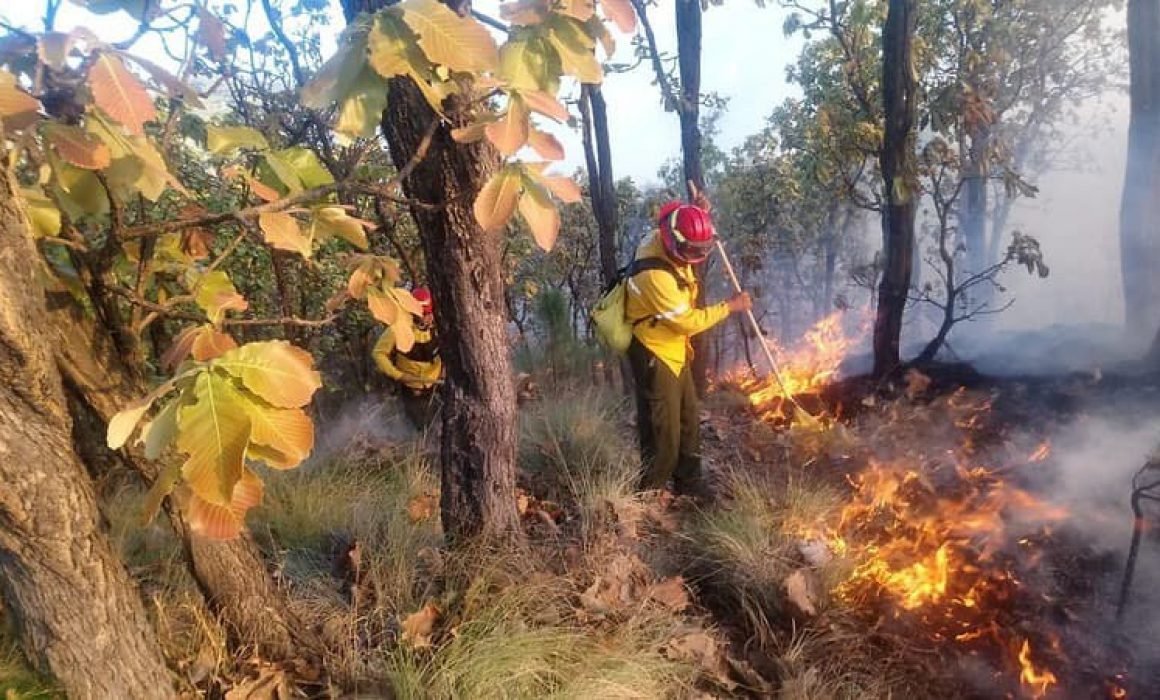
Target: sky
[{"x": 745, "y": 55}]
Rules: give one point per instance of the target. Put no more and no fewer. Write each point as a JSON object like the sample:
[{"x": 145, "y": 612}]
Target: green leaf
[
  {"x": 160, "y": 432},
  {"x": 339, "y": 75},
  {"x": 78, "y": 191},
  {"x": 361, "y": 111},
  {"x": 328, "y": 221},
  {"x": 214, "y": 431},
  {"x": 306, "y": 164},
  {"x": 225, "y": 140},
  {"x": 285, "y": 172},
  {"x": 216, "y": 295},
  {"x": 460, "y": 43},
  {"x": 530, "y": 64},
  {"x": 42, "y": 213},
  {"x": 389, "y": 45},
  {"x": 577, "y": 50},
  {"x": 275, "y": 370}
]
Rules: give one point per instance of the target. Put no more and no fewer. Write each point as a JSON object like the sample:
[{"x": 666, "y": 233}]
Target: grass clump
[{"x": 18, "y": 680}]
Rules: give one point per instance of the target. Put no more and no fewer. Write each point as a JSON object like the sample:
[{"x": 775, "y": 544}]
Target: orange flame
[
  {"x": 1038, "y": 680},
  {"x": 1041, "y": 453}
]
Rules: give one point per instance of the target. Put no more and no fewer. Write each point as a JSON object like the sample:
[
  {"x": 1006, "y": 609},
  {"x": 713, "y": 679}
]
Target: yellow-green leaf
[
  {"x": 524, "y": 13},
  {"x": 216, "y": 295},
  {"x": 225, "y": 140},
  {"x": 388, "y": 46},
  {"x": 540, "y": 214},
  {"x": 214, "y": 431},
  {"x": 286, "y": 433},
  {"x": 337, "y": 77},
  {"x": 510, "y": 133},
  {"x": 42, "y": 213},
  {"x": 161, "y": 487},
  {"x": 77, "y": 147},
  {"x": 285, "y": 172},
  {"x": 283, "y": 232},
  {"x": 529, "y": 65},
  {"x": 382, "y": 306},
  {"x": 581, "y": 10},
  {"x": 621, "y": 14},
  {"x": 331, "y": 221},
  {"x": 577, "y": 50},
  {"x": 275, "y": 370},
  {"x": 460, "y": 43},
  {"x": 79, "y": 192},
  {"x": 361, "y": 111},
  {"x": 119, "y": 94},
  {"x": 306, "y": 164},
  {"x": 160, "y": 432},
  {"x": 496, "y": 202}
]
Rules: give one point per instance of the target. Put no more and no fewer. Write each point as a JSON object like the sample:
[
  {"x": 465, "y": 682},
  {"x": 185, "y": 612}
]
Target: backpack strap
[{"x": 645, "y": 264}]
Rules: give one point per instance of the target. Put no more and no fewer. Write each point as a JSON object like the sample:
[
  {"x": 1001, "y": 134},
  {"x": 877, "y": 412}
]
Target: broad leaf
[
  {"x": 225, "y": 140},
  {"x": 181, "y": 348},
  {"x": 286, "y": 433},
  {"x": 329, "y": 221},
  {"x": 120, "y": 95},
  {"x": 577, "y": 50},
  {"x": 216, "y": 295},
  {"x": 404, "y": 333},
  {"x": 388, "y": 46},
  {"x": 284, "y": 172},
  {"x": 209, "y": 343},
  {"x": 383, "y": 306},
  {"x": 306, "y": 164},
  {"x": 121, "y": 426},
  {"x": 275, "y": 370},
  {"x": 79, "y": 192},
  {"x": 224, "y": 522},
  {"x": 510, "y": 133},
  {"x": 283, "y": 232},
  {"x": 530, "y": 65},
  {"x": 407, "y": 301},
  {"x": 523, "y": 13},
  {"x": 78, "y": 147},
  {"x": 472, "y": 132},
  {"x": 337, "y": 77},
  {"x": 361, "y": 111},
  {"x": 18, "y": 109},
  {"x": 582, "y": 10},
  {"x": 213, "y": 430},
  {"x": 143, "y": 172},
  {"x": 546, "y": 145},
  {"x": 545, "y": 104},
  {"x": 161, "y": 487},
  {"x": 565, "y": 188},
  {"x": 359, "y": 280},
  {"x": 540, "y": 213},
  {"x": 496, "y": 202},
  {"x": 172, "y": 85},
  {"x": 460, "y": 43},
  {"x": 160, "y": 432},
  {"x": 42, "y": 213},
  {"x": 621, "y": 14}
]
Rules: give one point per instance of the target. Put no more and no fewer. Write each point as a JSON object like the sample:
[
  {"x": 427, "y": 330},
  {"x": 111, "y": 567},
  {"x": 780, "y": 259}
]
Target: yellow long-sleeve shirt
[
  {"x": 419, "y": 368},
  {"x": 670, "y": 311}
]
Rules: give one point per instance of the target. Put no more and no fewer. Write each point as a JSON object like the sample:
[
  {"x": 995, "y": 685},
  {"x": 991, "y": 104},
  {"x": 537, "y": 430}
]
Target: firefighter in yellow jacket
[
  {"x": 661, "y": 305},
  {"x": 417, "y": 371}
]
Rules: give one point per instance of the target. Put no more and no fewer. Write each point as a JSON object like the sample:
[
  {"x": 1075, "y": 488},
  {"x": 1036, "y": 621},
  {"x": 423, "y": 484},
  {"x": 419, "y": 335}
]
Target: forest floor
[{"x": 927, "y": 539}]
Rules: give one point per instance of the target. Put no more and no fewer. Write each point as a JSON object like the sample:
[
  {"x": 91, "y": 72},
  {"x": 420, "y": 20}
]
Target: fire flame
[
  {"x": 932, "y": 538},
  {"x": 1039, "y": 681}
]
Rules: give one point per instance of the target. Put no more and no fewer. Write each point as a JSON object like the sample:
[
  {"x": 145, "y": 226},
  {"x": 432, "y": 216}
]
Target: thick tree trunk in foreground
[
  {"x": 78, "y": 613},
  {"x": 478, "y": 496},
  {"x": 231, "y": 575},
  {"x": 897, "y": 161},
  {"x": 1140, "y": 207}
]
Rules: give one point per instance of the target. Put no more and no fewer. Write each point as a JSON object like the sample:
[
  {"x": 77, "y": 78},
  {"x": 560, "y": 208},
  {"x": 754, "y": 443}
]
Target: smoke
[{"x": 372, "y": 422}]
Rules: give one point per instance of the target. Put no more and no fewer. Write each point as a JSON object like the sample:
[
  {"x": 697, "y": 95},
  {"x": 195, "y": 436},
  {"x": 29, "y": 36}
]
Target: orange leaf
[
  {"x": 18, "y": 109},
  {"x": 621, "y": 13},
  {"x": 218, "y": 522},
  {"x": 120, "y": 95},
  {"x": 546, "y": 145},
  {"x": 510, "y": 133},
  {"x": 422, "y": 507},
  {"x": 565, "y": 188},
  {"x": 419, "y": 626},
  {"x": 283, "y": 232},
  {"x": 470, "y": 133},
  {"x": 209, "y": 343},
  {"x": 288, "y": 433},
  {"x": 78, "y": 147},
  {"x": 541, "y": 215},
  {"x": 496, "y": 202},
  {"x": 359, "y": 280},
  {"x": 545, "y": 104},
  {"x": 180, "y": 349}
]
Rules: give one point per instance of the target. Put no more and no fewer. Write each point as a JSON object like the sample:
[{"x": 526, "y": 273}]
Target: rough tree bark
[
  {"x": 1140, "y": 206},
  {"x": 897, "y": 163},
  {"x": 77, "y": 611},
  {"x": 463, "y": 267},
  {"x": 598, "y": 159},
  {"x": 231, "y": 575}
]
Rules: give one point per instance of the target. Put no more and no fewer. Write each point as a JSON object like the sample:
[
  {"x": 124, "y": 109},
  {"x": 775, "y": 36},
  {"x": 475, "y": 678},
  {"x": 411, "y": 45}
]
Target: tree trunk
[
  {"x": 77, "y": 611},
  {"x": 598, "y": 158},
  {"x": 689, "y": 111},
  {"x": 897, "y": 162},
  {"x": 1140, "y": 207},
  {"x": 478, "y": 496}
]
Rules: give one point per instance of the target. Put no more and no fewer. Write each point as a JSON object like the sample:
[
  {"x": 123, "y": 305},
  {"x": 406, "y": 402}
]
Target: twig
[
  {"x": 667, "y": 91},
  {"x": 488, "y": 20},
  {"x": 275, "y": 20},
  {"x": 163, "y": 310}
]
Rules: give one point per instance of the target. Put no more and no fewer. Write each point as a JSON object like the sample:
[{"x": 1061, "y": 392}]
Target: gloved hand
[{"x": 740, "y": 302}]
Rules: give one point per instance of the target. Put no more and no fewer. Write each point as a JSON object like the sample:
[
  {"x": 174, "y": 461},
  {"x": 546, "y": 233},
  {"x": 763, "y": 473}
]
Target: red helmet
[
  {"x": 686, "y": 232},
  {"x": 423, "y": 296}
]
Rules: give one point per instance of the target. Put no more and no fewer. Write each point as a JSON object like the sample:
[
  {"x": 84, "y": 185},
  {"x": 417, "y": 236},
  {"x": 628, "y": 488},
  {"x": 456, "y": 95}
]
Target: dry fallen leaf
[
  {"x": 916, "y": 383},
  {"x": 801, "y": 592},
  {"x": 418, "y": 626},
  {"x": 422, "y": 507},
  {"x": 272, "y": 683},
  {"x": 702, "y": 649},
  {"x": 670, "y": 593}
]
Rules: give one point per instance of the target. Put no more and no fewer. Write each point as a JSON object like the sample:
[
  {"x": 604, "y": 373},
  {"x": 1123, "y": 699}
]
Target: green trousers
[{"x": 668, "y": 420}]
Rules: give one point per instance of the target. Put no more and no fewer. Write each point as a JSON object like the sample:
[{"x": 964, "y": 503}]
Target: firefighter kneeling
[
  {"x": 418, "y": 370},
  {"x": 660, "y": 303}
]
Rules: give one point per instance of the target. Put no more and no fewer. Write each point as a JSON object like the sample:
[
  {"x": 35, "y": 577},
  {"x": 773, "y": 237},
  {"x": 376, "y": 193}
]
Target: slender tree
[{"x": 899, "y": 88}]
